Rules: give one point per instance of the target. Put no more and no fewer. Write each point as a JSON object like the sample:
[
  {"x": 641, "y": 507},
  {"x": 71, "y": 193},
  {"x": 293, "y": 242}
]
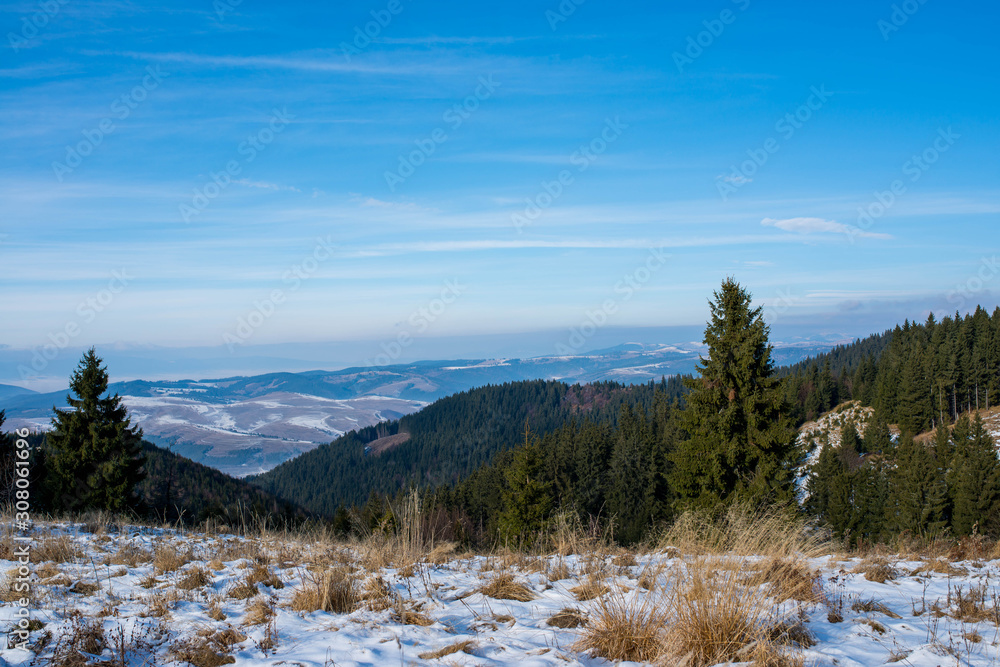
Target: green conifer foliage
[{"x": 94, "y": 456}]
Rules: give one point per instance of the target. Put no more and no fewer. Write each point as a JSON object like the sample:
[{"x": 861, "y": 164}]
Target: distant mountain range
[{"x": 247, "y": 425}]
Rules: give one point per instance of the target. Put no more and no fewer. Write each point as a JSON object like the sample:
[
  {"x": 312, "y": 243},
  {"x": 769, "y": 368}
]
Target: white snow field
[{"x": 129, "y": 595}]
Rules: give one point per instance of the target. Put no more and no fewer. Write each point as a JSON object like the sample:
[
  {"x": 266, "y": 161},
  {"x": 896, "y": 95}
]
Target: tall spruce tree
[
  {"x": 94, "y": 456},
  {"x": 741, "y": 441},
  {"x": 976, "y": 490}
]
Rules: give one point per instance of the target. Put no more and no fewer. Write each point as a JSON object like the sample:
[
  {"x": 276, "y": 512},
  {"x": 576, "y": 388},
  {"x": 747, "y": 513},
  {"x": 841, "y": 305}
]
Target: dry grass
[
  {"x": 939, "y": 566},
  {"x": 333, "y": 590},
  {"x": 873, "y": 607},
  {"x": 168, "y": 558},
  {"x": 84, "y": 636},
  {"x": 567, "y": 617},
  {"x": 260, "y": 610},
  {"x": 591, "y": 588},
  {"x": 129, "y": 555},
  {"x": 624, "y": 628},
  {"x": 243, "y": 590},
  {"x": 877, "y": 569},
  {"x": 716, "y": 613},
  {"x": 208, "y": 649},
  {"x": 377, "y": 595},
  {"x": 789, "y": 579},
  {"x": 464, "y": 646},
  {"x": 262, "y": 574},
  {"x": 57, "y": 549},
  {"x": 503, "y": 586},
  {"x": 742, "y": 531},
  {"x": 195, "y": 578},
  {"x": 409, "y": 612}
]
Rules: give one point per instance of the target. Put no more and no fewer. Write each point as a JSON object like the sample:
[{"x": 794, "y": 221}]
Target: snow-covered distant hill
[{"x": 246, "y": 425}]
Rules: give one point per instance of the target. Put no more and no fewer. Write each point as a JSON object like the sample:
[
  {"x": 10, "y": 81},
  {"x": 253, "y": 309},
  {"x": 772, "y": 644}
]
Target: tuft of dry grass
[
  {"x": 195, "y": 578},
  {"x": 333, "y": 590},
  {"x": 84, "y": 636},
  {"x": 624, "y": 628},
  {"x": 260, "y": 610},
  {"x": 168, "y": 558},
  {"x": 567, "y": 617},
  {"x": 84, "y": 588},
  {"x": 464, "y": 646},
  {"x": 503, "y": 586},
  {"x": 873, "y": 607},
  {"x": 939, "y": 566},
  {"x": 742, "y": 531},
  {"x": 592, "y": 587},
  {"x": 262, "y": 574},
  {"x": 129, "y": 555},
  {"x": 789, "y": 579},
  {"x": 243, "y": 590},
  {"x": 877, "y": 569},
  {"x": 409, "y": 612},
  {"x": 57, "y": 549},
  {"x": 376, "y": 594},
  {"x": 208, "y": 649}
]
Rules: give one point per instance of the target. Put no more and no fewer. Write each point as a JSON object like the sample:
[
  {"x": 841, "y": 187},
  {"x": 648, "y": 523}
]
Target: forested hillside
[
  {"x": 447, "y": 440},
  {"x": 175, "y": 489}
]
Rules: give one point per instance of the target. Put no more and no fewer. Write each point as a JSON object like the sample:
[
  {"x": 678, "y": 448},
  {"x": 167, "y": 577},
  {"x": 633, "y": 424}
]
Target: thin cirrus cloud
[{"x": 821, "y": 226}]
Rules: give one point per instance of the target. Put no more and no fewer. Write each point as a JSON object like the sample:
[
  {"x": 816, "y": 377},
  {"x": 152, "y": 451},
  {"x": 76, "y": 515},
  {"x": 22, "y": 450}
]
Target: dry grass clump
[
  {"x": 591, "y": 588},
  {"x": 129, "y": 555},
  {"x": 9, "y": 588},
  {"x": 789, "y": 579},
  {"x": 742, "y": 531},
  {"x": 623, "y": 628},
  {"x": 716, "y": 613},
  {"x": 970, "y": 605},
  {"x": 873, "y": 607},
  {"x": 243, "y": 590},
  {"x": 876, "y": 569},
  {"x": 503, "y": 586},
  {"x": 262, "y": 574},
  {"x": 464, "y": 646},
  {"x": 441, "y": 554},
  {"x": 939, "y": 566},
  {"x": 333, "y": 590},
  {"x": 377, "y": 595},
  {"x": 208, "y": 649},
  {"x": 84, "y": 588},
  {"x": 409, "y": 612},
  {"x": 626, "y": 559},
  {"x": 58, "y": 549},
  {"x": 559, "y": 571},
  {"x": 567, "y": 617},
  {"x": 196, "y": 577},
  {"x": 168, "y": 558},
  {"x": 260, "y": 610},
  {"x": 84, "y": 636}
]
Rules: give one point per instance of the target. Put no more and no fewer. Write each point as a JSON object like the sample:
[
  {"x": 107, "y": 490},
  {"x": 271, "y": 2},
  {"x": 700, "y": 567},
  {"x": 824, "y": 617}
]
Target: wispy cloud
[{"x": 820, "y": 226}]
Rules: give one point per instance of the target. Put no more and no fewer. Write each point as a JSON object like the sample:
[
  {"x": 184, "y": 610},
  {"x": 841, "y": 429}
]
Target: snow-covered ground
[{"x": 221, "y": 599}]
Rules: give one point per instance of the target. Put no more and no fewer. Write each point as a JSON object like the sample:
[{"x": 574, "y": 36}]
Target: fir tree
[
  {"x": 976, "y": 490},
  {"x": 918, "y": 490},
  {"x": 741, "y": 442},
  {"x": 94, "y": 457},
  {"x": 527, "y": 499}
]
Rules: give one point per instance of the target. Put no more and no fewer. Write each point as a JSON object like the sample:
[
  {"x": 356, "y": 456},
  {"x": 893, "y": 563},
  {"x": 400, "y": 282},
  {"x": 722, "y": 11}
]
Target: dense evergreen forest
[
  {"x": 175, "y": 489},
  {"x": 446, "y": 441},
  {"x": 620, "y": 469}
]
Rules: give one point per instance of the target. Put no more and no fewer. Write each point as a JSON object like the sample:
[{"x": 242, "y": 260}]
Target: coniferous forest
[{"x": 502, "y": 463}]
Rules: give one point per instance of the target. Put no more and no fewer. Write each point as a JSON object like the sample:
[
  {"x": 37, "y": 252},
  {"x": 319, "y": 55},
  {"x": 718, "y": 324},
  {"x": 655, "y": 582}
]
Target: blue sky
[{"x": 551, "y": 161}]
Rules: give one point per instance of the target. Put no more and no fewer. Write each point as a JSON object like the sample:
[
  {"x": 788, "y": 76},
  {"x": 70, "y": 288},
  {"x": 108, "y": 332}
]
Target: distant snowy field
[{"x": 223, "y": 599}]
